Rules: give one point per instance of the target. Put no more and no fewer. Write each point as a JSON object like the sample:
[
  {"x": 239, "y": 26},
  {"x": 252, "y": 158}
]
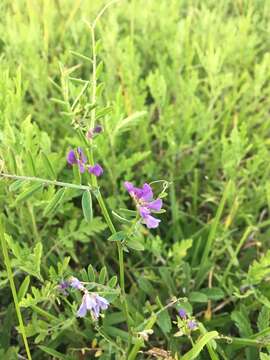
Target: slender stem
[
  {"x": 45, "y": 181},
  {"x": 13, "y": 289},
  {"x": 120, "y": 253},
  {"x": 91, "y": 159}
]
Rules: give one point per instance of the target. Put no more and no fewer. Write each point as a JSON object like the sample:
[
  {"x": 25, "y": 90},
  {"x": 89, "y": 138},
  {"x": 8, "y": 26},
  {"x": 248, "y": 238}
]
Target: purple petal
[
  {"x": 95, "y": 170},
  {"x": 71, "y": 157},
  {"x": 151, "y": 222},
  {"x": 182, "y": 313},
  {"x": 146, "y": 192},
  {"x": 144, "y": 212},
  {"x": 90, "y": 301},
  {"x": 81, "y": 166},
  {"x": 97, "y": 129},
  {"x": 155, "y": 205},
  {"x": 192, "y": 324},
  {"x": 83, "y": 309},
  {"x": 129, "y": 187},
  {"x": 95, "y": 312},
  {"x": 82, "y": 157},
  {"x": 102, "y": 302},
  {"x": 76, "y": 284}
]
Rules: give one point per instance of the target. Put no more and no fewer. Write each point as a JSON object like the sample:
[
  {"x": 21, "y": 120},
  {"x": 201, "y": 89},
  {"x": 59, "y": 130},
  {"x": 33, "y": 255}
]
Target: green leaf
[
  {"x": 48, "y": 166},
  {"x": 113, "y": 281},
  {"x": 55, "y": 202},
  {"x": 23, "y": 288},
  {"x": 53, "y": 352},
  {"x": 214, "y": 293},
  {"x": 87, "y": 206},
  {"x": 135, "y": 245},
  {"x": 199, "y": 345},
  {"x": 102, "y": 275},
  {"x": 91, "y": 273},
  {"x": 197, "y": 296},
  {"x": 30, "y": 191},
  {"x": 119, "y": 236},
  {"x": 164, "y": 321},
  {"x": 16, "y": 185}
]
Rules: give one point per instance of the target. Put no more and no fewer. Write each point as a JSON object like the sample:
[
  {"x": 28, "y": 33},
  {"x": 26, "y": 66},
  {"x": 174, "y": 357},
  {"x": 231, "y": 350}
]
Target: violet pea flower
[{"x": 143, "y": 198}]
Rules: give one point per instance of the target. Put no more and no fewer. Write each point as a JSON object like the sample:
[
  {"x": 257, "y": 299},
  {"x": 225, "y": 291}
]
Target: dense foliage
[{"x": 179, "y": 91}]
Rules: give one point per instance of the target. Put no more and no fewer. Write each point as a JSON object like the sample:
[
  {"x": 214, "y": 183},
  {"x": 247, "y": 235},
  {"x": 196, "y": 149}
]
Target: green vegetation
[{"x": 181, "y": 90}]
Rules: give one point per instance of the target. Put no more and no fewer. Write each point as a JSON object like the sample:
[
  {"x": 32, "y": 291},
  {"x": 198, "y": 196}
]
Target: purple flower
[
  {"x": 77, "y": 157},
  {"x": 96, "y": 130},
  {"x": 76, "y": 284},
  {"x": 145, "y": 203},
  {"x": 94, "y": 303},
  {"x": 63, "y": 285},
  {"x": 95, "y": 170},
  {"x": 182, "y": 313},
  {"x": 192, "y": 324}
]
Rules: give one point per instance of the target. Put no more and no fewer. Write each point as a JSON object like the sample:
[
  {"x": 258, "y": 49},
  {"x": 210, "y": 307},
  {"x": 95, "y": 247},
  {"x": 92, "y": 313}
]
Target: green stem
[
  {"x": 45, "y": 181},
  {"x": 13, "y": 289},
  {"x": 120, "y": 254}
]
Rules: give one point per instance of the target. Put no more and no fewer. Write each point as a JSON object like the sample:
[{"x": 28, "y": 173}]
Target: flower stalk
[{"x": 13, "y": 289}]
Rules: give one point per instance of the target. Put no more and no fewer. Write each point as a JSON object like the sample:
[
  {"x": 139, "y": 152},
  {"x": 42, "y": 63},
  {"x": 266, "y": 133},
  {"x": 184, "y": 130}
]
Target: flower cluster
[
  {"x": 90, "y": 301},
  {"x": 145, "y": 203},
  {"x": 186, "y": 323},
  {"x": 78, "y": 158}
]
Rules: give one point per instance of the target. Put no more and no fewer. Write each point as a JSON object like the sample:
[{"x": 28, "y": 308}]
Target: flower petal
[
  {"x": 129, "y": 186},
  {"x": 83, "y": 309},
  {"x": 151, "y": 222},
  {"x": 155, "y": 205},
  {"x": 146, "y": 193},
  {"x": 95, "y": 170},
  {"x": 144, "y": 211},
  {"x": 82, "y": 157},
  {"x": 71, "y": 157},
  {"x": 102, "y": 302}
]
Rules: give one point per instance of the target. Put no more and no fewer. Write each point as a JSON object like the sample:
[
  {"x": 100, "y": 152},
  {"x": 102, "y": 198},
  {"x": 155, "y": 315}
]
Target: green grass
[{"x": 182, "y": 91}]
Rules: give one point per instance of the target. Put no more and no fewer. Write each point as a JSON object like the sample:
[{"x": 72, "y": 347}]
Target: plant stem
[
  {"x": 45, "y": 181},
  {"x": 13, "y": 288}
]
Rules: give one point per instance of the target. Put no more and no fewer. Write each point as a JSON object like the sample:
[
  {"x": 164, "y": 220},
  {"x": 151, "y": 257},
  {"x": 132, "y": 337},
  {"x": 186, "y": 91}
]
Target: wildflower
[
  {"x": 95, "y": 170},
  {"x": 96, "y": 130},
  {"x": 62, "y": 287},
  {"x": 146, "y": 205},
  {"x": 94, "y": 303},
  {"x": 76, "y": 284},
  {"x": 182, "y": 313},
  {"x": 77, "y": 157},
  {"x": 192, "y": 324}
]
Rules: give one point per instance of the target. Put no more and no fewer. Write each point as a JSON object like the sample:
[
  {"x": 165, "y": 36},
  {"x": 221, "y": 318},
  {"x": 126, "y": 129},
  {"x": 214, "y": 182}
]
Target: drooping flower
[
  {"x": 94, "y": 303},
  {"x": 96, "y": 170},
  {"x": 77, "y": 157},
  {"x": 145, "y": 203},
  {"x": 182, "y": 313},
  {"x": 76, "y": 284},
  {"x": 96, "y": 130}
]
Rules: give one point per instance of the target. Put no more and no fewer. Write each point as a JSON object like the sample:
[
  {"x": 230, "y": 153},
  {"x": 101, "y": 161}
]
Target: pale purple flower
[
  {"x": 94, "y": 303},
  {"x": 145, "y": 203},
  {"x": 95, "y": 170},
  {"x": 77, "y": 157},
  {"x": 76, "y": 284},
  {"x": 96, "y": 130},
  {"x": 62, "y": 287},
  {"x": 192, "y": 324},
  {"x": 182, "y": 313}
]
